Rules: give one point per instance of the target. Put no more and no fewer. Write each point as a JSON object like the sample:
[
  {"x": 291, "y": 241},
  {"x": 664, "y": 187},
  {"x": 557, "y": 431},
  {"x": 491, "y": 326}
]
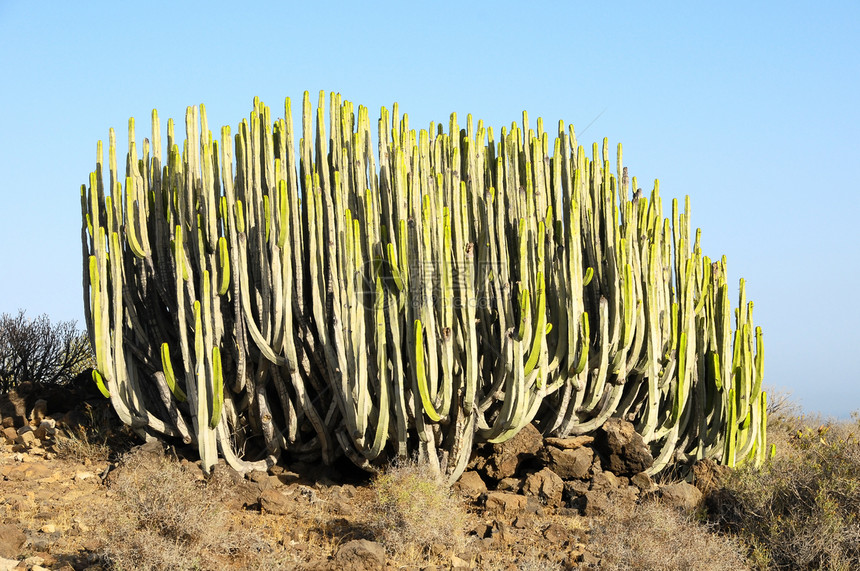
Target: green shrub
[
  {"x": 801, "y": 510},
  {"x": 414, "y": 509}
]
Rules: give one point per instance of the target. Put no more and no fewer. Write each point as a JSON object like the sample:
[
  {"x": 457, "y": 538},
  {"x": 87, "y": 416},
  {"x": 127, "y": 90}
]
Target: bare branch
[{"x": 40, "y": 352}]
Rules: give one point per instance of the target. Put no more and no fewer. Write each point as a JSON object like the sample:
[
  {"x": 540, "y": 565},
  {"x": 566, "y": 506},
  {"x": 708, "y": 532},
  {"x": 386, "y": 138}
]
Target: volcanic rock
[
  {"x": 622, "y": 447},
  {"x": 569, "y": 463}
]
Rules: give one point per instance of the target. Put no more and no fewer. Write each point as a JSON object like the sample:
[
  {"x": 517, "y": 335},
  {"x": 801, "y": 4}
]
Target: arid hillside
[{"x": 77, "y": 491}]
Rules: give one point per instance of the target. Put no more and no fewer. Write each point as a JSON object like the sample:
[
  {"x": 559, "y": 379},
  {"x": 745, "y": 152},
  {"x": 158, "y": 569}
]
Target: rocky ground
[{"x": 531, "y": 503}]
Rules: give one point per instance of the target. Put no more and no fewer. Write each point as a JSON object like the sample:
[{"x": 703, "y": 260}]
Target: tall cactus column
[{"x": 318, "y": 295}]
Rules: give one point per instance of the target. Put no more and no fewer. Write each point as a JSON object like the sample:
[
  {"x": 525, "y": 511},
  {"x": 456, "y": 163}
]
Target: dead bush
[
  {"x": 40, "y": 352},
  {"x": 652, "y": 535},
  {"x": 82, "y": 446},
  {"x": 169, "y": 519},
  {"x": 93, "y": 441}
]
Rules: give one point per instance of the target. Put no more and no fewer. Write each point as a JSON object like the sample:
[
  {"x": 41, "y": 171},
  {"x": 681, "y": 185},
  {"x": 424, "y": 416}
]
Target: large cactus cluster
[{"x": 417, "y": 296}]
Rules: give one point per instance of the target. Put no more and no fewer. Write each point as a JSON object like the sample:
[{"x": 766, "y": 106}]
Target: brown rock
[
  {"x": 347, "y": 490},
  {"x": 40, "y": 411},
  {"x": 546, "y": 485},
  {"x": 361, "y": 555},
  {"x": 470, "y": 485},
  {"x": 275, "y": 482},
  {"x": 342, "y": 507},
  {"x": 261, "y": 481},
  {"x": 575, "y": 488},
  {"x": 627, "y": 496},
  {"x": 523, "y": 521},
  {"x": 82, "y": 476},
  {"x": 681, "y": 495},
  {"x": 507, "y": 457},
  {"x": 255, "y": 488},
  {"x": 534, "y": 506},
  {"x": 595, "y": 502},
  {"x": 26, "y": 438},
  {"x": 597, "y": 465},
  {"x": 556, "y": 533},
  {"x": 605, "y": 481},
  {"x": 10, "y": 434},
  {"x": 13, "y": 403},
  {"x": 503, "y": 534},
  {"x": 47, "y": 428},
  {"x": 23, "y": 429},
  {"x": 223, "y": 472},
  {"x": 623, "y": 448},
  {"x": 572, "y": 557},
  {"x": 33, "y": 563},
  {"x": 569, "y": 443},
  {"x": 569, "y": 463},
  {"x": 505, "y": 503},
  {"x": 308, "y": 494},
  {"x": 47, "y": 559},
  {"x": 288, "y": 477},
  {"x": 11, "y": 540},
  {"x": 514, "y": 485},
  {"x": 92, "y": 544},
  {"x": 258, "y": 476},
  {"x": 644, "y": 482},
  {"x": 589, "y": 561},
  {"x": 481, "y": 530},
  {"x": 73, "y": 419},
  {"x": 273, "y": 501},
  {"x": 26, "y": 471}
]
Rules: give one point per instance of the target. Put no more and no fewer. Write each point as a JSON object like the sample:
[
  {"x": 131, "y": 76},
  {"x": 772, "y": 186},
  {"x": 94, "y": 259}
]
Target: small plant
[
  {"x": 89, "y": 442},
  {"x": 82, "y": 446},
  {"x": 414, "y": 510}
]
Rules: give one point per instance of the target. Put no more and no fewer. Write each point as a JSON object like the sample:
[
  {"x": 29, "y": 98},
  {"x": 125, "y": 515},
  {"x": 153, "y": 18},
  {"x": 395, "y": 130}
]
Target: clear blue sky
[{"x": 749, "y": 107}]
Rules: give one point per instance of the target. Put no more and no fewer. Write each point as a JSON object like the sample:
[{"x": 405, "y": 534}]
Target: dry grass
[
  {"x": 655, "y": 536},
  {"x": 802, "y": 510},
  {"x": 82, "y": 446},
  {"x": 96, "y": 440},
  {"x": 414, "y": 510},
  {"x": 168, "y": 520}
]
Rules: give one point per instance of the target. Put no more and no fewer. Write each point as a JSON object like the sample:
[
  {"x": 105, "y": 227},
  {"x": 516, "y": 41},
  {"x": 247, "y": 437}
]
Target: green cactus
[{"x": 319, "y": 304}]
